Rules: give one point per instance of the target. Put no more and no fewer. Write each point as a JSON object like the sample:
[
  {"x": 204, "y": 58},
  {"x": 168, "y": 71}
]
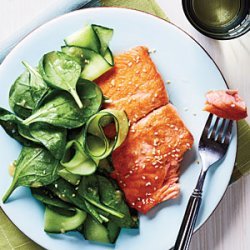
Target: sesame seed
[
  {"x": 188, "y": 145},
  {"x": 56, "y": 185},
  {"x": 148, "y": 184},
  {"x": 178, "y": 150},
  {"x": 73, "y": 195},
  {"x": 120, "y": 181},
  {"x": 129, "y": 82},
  {"x": 172, "y": 155},
  {"x": 156, "y": 133},
  {"x": 155, "y": 188},
  {"x": 154, "y": 163},
  {"x": 124, "y": 185},
  {"x": 132, "y": 203},
  {"x": 232, "y": 105},
  {"x": 181, "y": 136},
  {"x": 152, "y": 51},
  {"x": 130, "y": 64},
  {"x": 143, "y": 177},
  {"x": 138, "y": 198},
  {"x": 126, "y": 176},
  {"x": 137, "y": 71},
  {"x": 44, "y": 172},
  {"x": 144, "y": 70},
  {"x": 173, "y": 151},
  {"x": 143, "y": 165},
  {"x": 156, "y": 177},
  {"x": 139, "y": 206},
  {"x": 76, "y": 188},
  {"x": 155, "y": 95},
  {"x": 131, "y": 172},
  {"x": 171, "y": 126},
  {"x": 143, "y": 201},
  {"x": 176, "y": 129}
]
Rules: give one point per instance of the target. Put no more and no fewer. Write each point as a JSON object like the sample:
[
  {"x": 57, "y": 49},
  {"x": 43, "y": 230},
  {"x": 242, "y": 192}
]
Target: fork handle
[{"x": 188, "y": 223}]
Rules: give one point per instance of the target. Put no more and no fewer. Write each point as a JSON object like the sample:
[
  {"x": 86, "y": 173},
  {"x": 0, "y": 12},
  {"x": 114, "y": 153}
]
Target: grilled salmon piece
[
  {"x": 134, "y": 84},
  {"x": 226, "y": 104},
  {"x": 147, "y": 163}
]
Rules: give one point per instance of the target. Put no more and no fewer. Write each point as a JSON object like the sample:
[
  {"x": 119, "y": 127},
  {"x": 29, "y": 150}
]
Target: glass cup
[{"x": 219, "y": 19}]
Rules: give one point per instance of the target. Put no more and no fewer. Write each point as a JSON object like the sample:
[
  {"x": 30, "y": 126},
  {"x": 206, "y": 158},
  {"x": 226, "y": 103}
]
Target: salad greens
[{"x": 65, "y": 159}]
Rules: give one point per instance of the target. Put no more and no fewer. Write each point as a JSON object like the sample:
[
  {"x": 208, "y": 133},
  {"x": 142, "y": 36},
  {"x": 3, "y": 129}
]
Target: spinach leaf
[
  {"x": 53, "y": 138},
  {"x": 47, "y": 197},
  {"x": 35, "y": 167},
  {"x": 62, "y": 72},
  {"x": 27, "y": 91},
  {"x": 114, "y": 198},
  {"x": 68, "y": 192},
  {"x": 10, "y": 122},
  {"x": 25, "y": 132},
  {"x": 89, "y": 190},
  {"x": 91, "y": 97},
  {"x": 58, "y": 109}
]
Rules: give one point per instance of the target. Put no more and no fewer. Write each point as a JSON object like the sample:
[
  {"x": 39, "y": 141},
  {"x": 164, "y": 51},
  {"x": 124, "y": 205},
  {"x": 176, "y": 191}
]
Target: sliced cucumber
[
  {"x": 95, "y": 64},
  {"x": 86, "y": 38},
  {"x": 95, "y": 231},
  {"x": 109, "y": 57},
  {"x": 69, "y": 177},
  {"x": 55, "y": 222},
  {"x": 104, "y": 34}
]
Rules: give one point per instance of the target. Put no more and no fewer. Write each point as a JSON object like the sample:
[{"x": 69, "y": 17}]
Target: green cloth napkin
[{"x": 12, "y": 238}]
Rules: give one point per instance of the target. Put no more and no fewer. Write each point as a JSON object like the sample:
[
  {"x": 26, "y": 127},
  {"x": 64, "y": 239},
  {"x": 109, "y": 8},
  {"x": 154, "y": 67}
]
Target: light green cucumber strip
[
  {"x": 97, "y": 145},
  {"x": 58, "y": 223},
  {"x": 76, "y": 161}
]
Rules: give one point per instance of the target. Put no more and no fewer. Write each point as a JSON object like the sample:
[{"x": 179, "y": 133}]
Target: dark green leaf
[
  {"x": 47, "y": 197},
  {"x": 27, "y": 91},
  {"x": 62, "y": 72},
  {"x": 58, "y": 109},
  {"x": 10, "y": 122},
  {"x": 89, "y": 190},
  {"x": 114, "y": 198},
  {"x": 53, "y": 138},
  {"x": 35, "y": 167}
]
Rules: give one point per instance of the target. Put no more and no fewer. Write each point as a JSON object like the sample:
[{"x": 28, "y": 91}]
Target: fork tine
[
  {"x": 228, "y": 132},
  {"x": 221, "y": 130},
  {"x": 207, "y": 125},
  {"x": 212, "y": 136}
]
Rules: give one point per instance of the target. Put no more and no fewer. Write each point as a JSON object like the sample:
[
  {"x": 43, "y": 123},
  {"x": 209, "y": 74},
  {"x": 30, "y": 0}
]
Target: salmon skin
[
  {"x": 226, "y": 104},
  {"x": 134, "y": 84},
  {"x": 146, "y": 165}
]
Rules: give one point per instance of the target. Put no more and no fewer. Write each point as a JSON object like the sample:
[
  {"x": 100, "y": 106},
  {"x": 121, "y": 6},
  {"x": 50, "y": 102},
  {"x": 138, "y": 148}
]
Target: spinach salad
[{"x": 66, "y": 161}]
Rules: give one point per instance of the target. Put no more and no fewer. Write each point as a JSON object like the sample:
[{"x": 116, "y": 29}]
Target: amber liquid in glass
[{"x": 219, "y": 18}]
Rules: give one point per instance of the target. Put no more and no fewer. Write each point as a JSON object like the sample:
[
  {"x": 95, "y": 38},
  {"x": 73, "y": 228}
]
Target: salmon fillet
[
  {"x": 134, "y": 84},
  {"x": 147, "y": 164},
  {"x": 226, "y": 104}
]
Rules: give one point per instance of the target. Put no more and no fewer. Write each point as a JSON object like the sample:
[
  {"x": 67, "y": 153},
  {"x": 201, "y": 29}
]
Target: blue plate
[{"x": 191, "y": 73}]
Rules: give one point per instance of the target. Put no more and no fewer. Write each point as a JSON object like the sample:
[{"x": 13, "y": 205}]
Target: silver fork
[{"x": 213, "y": 146}]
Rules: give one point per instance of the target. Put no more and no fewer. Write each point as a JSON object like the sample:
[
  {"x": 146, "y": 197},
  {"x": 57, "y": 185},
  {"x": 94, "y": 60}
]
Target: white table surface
[{"x": 229, "y": 226}]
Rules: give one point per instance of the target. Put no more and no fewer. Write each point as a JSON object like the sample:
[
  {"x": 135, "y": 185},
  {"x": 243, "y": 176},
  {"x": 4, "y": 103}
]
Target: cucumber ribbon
[{"x": 97, "y": 145}]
